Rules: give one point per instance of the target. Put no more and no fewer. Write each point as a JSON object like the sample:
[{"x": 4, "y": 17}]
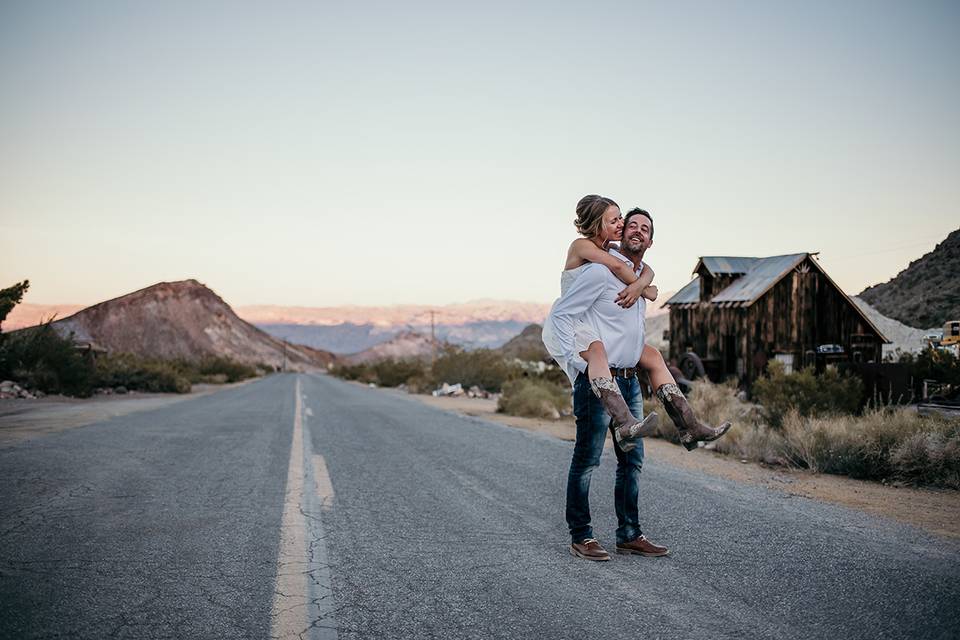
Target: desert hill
[
  {"x": 927, "y": 292},
  {"x": 182, "y": 320},
  {"x": 528, "y": 345},
  {"x": 403, "y": 346}
]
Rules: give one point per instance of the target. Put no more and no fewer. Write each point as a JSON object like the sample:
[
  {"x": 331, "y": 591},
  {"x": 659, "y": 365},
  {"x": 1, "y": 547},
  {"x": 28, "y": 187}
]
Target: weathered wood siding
[{"x": 802, "y": 311}]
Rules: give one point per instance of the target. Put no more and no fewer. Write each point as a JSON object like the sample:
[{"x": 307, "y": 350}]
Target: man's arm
[{"x": 579, "y": 297}]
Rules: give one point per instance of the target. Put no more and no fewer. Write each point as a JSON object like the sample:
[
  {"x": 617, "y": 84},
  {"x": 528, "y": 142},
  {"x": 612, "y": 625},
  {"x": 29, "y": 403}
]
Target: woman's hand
[
  {"x": 651, "y": 292},
  {"x": 629, "y": 296}
]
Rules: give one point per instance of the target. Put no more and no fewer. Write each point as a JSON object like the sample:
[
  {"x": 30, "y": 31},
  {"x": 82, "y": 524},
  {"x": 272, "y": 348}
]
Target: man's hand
[
  {"x": 651, "y": 292},
  {"x": 629, "y": 296}
]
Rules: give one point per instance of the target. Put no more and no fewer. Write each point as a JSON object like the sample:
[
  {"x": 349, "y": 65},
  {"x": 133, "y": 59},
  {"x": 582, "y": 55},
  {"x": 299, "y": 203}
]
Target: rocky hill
[
  {"x": 404, "y": 345},
  {"x": 183, "y": 320},
  {"x": 927, "y": 292},
  {"x": 527, "y": 346}
]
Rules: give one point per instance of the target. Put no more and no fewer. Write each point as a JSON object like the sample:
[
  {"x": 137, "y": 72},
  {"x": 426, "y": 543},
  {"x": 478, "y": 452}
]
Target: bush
[
  {"x": 217, "y": 370},
  {"x": 929, "y": 458},
  {"x": 755, "y": 442},
  {"x": 358, "y": 372},
  {"x": 136, "y": 374},
  {"x": 42, "y": 360},
  {"x": 483, "y": 368},
  {"x": 387, "y": 373},
  {"x": 533, "y": 398},
  {"x": 167, "y": 376},
  {"x": 881, "y": 444},
  {"x": 806, "y": 393}
]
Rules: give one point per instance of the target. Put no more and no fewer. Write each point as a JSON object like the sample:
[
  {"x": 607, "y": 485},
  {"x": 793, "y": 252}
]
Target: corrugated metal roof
[
  {"x": 689, "y": 293},
  {"x": 727, "y": 264},
  {"x": 763, "y": 274}
]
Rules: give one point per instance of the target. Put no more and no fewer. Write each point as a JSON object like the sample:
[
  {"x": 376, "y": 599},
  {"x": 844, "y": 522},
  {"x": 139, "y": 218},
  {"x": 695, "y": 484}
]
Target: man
[{"x": 594, "y": 295}]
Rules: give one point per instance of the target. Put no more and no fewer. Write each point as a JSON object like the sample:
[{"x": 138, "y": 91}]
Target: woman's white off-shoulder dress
[{"x": 583, "y": 334}]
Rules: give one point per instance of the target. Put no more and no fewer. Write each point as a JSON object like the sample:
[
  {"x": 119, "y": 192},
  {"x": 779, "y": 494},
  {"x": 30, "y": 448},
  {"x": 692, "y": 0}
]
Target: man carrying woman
[{"x": 595, "y": 331}]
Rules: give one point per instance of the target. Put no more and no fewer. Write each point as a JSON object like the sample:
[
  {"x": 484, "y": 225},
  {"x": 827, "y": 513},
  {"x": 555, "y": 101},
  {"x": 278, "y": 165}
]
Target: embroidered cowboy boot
[
  {"x": 626, "y": 428},
  {"x": 691, "y": 430}
]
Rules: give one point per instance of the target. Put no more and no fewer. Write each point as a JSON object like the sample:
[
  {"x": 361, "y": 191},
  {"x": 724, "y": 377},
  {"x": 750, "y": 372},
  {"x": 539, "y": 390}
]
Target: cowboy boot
[
  {"x": 691, "y": 430},
  {"x": 626, "y": 428}
]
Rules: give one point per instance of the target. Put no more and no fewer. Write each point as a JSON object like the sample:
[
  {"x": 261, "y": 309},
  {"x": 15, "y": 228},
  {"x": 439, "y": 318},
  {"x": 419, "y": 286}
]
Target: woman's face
[{"x": 612, "y": 226}]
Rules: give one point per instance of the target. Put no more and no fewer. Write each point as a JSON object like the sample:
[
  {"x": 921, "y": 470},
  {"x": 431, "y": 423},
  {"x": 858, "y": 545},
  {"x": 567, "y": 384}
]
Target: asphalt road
[{"x": 374, "y": 516}]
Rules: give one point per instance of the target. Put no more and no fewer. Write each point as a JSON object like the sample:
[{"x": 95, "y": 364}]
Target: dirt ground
[
  {"x": 935, "y": 510},
  {"x": 22, "y": 419}
]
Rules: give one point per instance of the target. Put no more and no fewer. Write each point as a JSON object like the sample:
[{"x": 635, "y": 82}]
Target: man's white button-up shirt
[{"x": 593, "y": 294}]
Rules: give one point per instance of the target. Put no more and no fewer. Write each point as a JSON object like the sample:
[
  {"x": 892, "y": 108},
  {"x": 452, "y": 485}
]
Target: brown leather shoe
[
  {"x": 642, "y": 547},
  {"x": 589, "y": 549}
]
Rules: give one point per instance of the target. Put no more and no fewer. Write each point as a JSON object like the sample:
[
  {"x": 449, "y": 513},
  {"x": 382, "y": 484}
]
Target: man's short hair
[{"x": 642, "y": 212}]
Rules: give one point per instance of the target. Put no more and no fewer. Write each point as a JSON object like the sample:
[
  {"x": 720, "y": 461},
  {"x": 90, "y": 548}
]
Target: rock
[
  {"x": 449, "y": 390},
  {"x": 7, "y": 385}
]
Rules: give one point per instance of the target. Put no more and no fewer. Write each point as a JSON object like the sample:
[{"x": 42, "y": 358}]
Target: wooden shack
[{"x": 738, "y": 313}]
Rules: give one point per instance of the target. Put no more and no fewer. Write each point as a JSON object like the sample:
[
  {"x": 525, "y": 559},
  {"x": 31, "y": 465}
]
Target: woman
[{"x": 599, "y": 220}]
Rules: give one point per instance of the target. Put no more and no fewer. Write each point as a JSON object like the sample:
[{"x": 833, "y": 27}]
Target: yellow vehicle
[{"x": 951, "y": 333}]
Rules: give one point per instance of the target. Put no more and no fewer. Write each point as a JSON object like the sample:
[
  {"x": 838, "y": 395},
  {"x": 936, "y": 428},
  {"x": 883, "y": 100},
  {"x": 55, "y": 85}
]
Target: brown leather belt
[{"x": 626, "y": 372}]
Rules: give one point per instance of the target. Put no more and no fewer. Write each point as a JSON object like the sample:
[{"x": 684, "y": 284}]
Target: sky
[{"x": 375, "y": 153}]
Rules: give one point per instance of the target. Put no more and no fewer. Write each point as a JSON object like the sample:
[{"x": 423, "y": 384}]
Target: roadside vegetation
[
  {"x": 529, "y": 389},
  {"x": 890, "y": 444},
  {"x": 800, "y": 420},
  {"x": 40, "y": 359}
]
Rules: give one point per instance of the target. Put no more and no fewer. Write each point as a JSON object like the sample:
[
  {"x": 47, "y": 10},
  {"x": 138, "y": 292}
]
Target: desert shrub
[
  {"x": 533, "y": 398},
  {"x": 483, "y": 368},
  {"x": 881, "y": 444},
  {"x": 218, "y": 370},
  {"x": 931, "y": 457},
  {"x": 387, "y": 373},
  {"x": 138, "y": 374},
  {"x": 392, "y": 373},
  {"x": 806, "y": 393},
  {"x": 751, "y": 441},
  {"x": 42, "y": 360},
  {"x": 360, "y": 372}
]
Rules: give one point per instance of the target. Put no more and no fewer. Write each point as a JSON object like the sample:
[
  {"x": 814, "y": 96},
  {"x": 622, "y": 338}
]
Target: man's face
[{"x": 636, "y": 235}]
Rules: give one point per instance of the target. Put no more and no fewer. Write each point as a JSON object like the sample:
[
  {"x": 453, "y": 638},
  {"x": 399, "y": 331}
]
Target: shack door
[{"x": 729, "y": 355}]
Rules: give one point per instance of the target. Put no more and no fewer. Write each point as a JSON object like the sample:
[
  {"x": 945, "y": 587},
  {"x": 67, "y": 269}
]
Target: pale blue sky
[{"x": 322, "y": 153}]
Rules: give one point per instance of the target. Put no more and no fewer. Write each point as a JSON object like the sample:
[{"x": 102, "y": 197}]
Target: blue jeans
[{"x": 592, "y": 425}]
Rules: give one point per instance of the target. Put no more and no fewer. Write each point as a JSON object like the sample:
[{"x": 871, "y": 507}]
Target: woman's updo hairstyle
[{"x": 590, "y": 211}]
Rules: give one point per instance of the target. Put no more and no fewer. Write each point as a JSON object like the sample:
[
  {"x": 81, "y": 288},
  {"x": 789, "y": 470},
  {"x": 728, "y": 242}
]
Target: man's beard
[{"x": 631, "y": 252}]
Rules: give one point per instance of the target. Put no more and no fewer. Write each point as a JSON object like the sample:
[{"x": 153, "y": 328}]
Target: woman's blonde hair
[{"x": 590, "y": 212}]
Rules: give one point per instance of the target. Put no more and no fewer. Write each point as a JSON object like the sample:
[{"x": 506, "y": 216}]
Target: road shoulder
[
  {"x": 934, "y": 510},
  {"x": 25, "y": 419}
]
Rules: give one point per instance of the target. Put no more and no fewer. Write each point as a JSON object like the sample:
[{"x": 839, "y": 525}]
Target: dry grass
[
  {"x": 884, "y": 444},
  {"x": 533, "y": 398},
  {"x": 881, "y": 444}
]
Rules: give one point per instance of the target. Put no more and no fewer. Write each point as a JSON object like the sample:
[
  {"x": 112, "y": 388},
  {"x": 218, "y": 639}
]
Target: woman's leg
[
  {"x": 652, "y": 362},
  {"x": 690, "y": 428},
  {"x": 597, "y": 364},
  {"x": 626, "y": 427}
]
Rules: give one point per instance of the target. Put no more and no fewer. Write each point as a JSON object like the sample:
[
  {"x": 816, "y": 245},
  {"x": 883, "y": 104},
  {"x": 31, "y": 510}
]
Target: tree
[{"x": 11, "y": 297}]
